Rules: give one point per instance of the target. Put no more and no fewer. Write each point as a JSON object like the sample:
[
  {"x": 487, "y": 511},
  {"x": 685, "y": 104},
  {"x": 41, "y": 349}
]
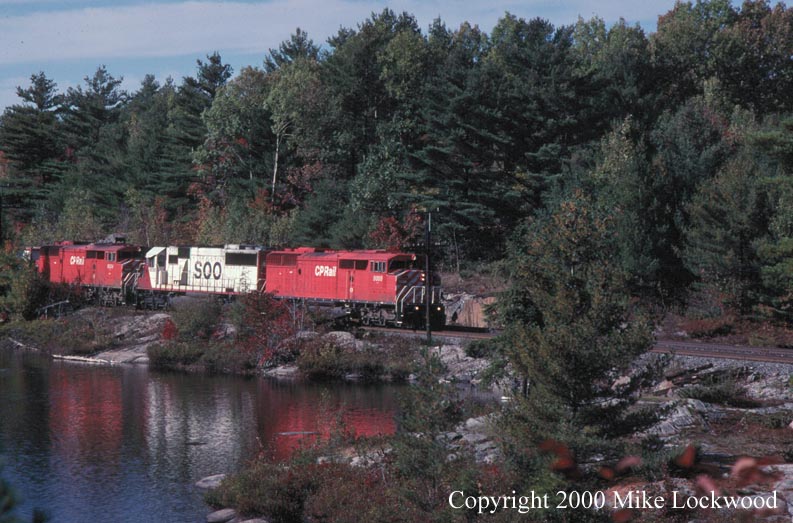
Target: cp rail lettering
[{"x": 207, "y": 270}]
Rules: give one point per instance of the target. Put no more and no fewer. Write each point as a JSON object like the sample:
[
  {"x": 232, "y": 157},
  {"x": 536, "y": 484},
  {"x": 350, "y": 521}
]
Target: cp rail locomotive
[{"x": 371, "y": 287}]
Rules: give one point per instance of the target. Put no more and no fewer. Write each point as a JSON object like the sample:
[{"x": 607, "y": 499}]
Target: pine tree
[
  {"x": 30, "y": 139},
  {"x": 579, "y": 331}
]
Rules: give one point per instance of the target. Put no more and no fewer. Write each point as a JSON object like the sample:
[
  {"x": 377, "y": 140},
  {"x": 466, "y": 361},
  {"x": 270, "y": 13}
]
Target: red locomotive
[
  {"x": 106, "y": 272},
  {"x": 370, "y": 286},
  {"x": 375, "y": 287}
]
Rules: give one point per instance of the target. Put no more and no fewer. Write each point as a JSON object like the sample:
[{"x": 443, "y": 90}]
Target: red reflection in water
[
  {"x": 86, "y": 413},
  {"x": 292, "y": 416}
]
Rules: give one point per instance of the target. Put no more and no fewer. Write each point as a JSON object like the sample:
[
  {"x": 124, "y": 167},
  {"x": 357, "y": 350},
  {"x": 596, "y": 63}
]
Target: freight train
[{"x": 370, "y": 287}]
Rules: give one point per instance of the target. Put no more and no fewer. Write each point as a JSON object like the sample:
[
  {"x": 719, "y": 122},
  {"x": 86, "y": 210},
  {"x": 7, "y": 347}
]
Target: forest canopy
[{"x": 682, "y": 136}]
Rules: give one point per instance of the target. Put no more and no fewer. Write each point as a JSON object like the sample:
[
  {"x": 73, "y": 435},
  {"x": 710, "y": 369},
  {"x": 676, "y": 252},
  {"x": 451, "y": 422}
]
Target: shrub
[
  {"x": 171, "y": 354},
  {"x": 478, "y": 349},
  {"x": 721, "y": 389},
  {"x": 776, "y": 420},
  {"x": 709, "y": 327},
  {"x": 276, "y": 490},
  {"x": 324, "y": 358},
  {"x": 27, "y": 292},
  {"x": 220, "y": 357},
  {"x": 263, "y": 324},
  {"x": 196, "y": 318}
]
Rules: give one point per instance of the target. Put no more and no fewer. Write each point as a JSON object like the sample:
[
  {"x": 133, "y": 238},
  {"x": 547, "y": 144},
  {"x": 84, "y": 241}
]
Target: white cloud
[{"x": 158, "y": 30}]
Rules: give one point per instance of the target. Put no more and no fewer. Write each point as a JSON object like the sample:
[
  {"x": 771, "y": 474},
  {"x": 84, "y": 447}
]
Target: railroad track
[
  {"x": 678, "y": 348},
  {"x": 715, "y": 350},
  {"x": 448, "y": 333}
]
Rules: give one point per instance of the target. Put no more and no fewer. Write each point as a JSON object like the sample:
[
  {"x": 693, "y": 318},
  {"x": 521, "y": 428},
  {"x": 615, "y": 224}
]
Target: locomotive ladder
[{"x": 129, "y": 283}]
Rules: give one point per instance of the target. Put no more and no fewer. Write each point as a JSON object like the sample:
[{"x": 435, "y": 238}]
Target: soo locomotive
[{"x": 371, "y": 287}]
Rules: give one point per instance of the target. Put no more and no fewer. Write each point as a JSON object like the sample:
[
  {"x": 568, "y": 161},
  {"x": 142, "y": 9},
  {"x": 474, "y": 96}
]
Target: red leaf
[
  {"x": 628, "y": 462},
  {"x": 687, "y": 458},
  {"x": 622, "y": 516}
]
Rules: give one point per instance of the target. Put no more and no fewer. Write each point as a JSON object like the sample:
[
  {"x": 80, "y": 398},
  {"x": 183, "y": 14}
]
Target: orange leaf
[
  {"x": 628, "y": 462},
  {"x": 622, "y": 516},
  {"x": 606, "y": 473},
  {"x": 687, "y": 458}
]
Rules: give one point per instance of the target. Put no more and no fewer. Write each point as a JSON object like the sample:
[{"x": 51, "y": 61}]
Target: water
[{"x": 125, "y": 444}]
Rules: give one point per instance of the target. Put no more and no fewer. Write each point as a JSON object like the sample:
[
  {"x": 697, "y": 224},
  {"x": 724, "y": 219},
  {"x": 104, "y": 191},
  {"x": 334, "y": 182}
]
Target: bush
[
  {"x": 478, "y": 349},
  {"x": 709, "y": 327},
  {"x": 776, "y": 420},
  {"x": 72, "y": 335},
  {"x": 276, "y": 490},
  {"x": 196, "y": 318},
  {"x": 227, "y": 358},
  {"x": 324, "y": 358},
  {"x": 720, "y": 389},
  {"x": 172, "y": 354}
]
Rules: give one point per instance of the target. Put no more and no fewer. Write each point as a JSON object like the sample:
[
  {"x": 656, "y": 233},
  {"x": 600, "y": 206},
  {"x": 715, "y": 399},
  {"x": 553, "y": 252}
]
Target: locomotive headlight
[
  {"x": 417, "y": 307},
  {"x": 439, "y": 308}
]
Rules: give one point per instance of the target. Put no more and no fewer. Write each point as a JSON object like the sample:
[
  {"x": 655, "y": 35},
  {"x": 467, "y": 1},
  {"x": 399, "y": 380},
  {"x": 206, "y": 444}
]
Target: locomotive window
[
  {"x": 125, "y": 255},
  {"x": 360, "y": 265},
  {"x": 91, "y": 255},
  {"x": 241, "y": 258},
  {"x": 173, "y": 260},
  {"x": 111, "y": 256},
  {"x": 399, "y": 265},
  {"x": 100, "y": 255},
  {"x": 150, "y": 262},
  {"x": 378, "y": 266},
  {"x": 184, "y": 252},
  {"x": 346, "y": 264},
  {"x": 161, "y": 260}
]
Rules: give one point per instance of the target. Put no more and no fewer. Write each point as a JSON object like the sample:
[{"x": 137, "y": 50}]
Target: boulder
[
  {"x": 340, "y": 338},
  {"x": 664, "y": 386},
  {"x": 283, "y": 371},
  {"x": 222, "y": 515},
  {"x": 620, "y": 382},
  {"x": 688, "y": 414},
  {"x": 210, "y": 482}
]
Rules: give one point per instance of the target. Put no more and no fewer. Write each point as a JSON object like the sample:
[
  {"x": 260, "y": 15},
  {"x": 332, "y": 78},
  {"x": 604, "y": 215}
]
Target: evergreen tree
[
  {"x": 691, "y": 145},
  {"x": 95, "y": 136},
  {"x": 30, "y": 139},
  {"x": 578, "y": 333},
  {"x": 729, "y": 219},
  {"x": 776, "y": 251},
  {"x": 298, "y": 47}
]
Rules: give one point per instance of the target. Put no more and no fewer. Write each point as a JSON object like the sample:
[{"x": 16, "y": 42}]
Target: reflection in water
[{"x": 124, "y": 444}]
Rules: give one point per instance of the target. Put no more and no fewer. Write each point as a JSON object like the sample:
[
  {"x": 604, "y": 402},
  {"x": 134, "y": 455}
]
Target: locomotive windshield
[{"x": 401, "y": 264}]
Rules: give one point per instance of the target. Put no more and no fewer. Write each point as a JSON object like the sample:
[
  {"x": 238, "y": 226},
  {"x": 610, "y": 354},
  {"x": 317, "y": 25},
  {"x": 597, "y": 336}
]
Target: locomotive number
[
  {"x": 207, "y": 270},
  {"x": 76, "y": 260}
]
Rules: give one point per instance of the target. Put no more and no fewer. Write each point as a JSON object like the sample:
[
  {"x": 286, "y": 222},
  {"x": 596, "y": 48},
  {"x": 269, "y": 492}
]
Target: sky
[{"x": 69, "y": 39}]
